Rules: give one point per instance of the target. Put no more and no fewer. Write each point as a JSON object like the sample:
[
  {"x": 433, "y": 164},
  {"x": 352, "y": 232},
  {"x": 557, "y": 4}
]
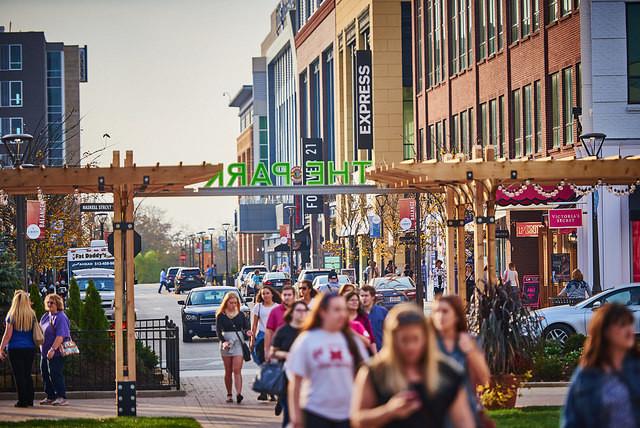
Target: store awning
[{"x": 536, "y": 195}]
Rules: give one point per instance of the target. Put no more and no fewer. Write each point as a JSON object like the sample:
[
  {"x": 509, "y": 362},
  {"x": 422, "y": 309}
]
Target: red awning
[{"x": 531, "y": 196}]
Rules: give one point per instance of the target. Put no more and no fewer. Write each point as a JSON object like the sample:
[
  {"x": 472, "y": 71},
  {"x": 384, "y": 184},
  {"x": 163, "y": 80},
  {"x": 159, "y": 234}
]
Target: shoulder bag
[
  {"x": 246, "y": 352},
  {"x": 38, "y": 335},
  {"x": 270, "y": 379},
  {"x": 68, "y": 347}
]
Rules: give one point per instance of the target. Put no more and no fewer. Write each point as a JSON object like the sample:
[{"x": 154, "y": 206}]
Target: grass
[
  {"x": 535, "y": 416},
  {"x": 107, "y": 423}
]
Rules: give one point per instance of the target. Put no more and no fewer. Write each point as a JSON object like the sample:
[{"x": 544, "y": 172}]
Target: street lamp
[
  {"x": 211, "y": 230},
  {"x": 226, "y": 227},
  {"x": 102, "y": 218},
  {"x": 192, "y": 258},
  {"x": 290, "y": 210},
  {"x": 201, "y": 255},
  {"x": 592, "y": 143}
]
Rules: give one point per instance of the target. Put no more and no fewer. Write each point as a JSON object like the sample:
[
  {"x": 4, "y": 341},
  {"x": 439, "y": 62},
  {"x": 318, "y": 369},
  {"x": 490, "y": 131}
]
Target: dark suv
[
  {"x": 188, "y": 278},
  {"x": 311, "y": 274},
  {"x": 171, "y": 276}
]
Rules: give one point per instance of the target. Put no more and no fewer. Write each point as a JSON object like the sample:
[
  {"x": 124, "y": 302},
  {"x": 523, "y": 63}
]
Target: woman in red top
[{"x": 360, "y": 321}]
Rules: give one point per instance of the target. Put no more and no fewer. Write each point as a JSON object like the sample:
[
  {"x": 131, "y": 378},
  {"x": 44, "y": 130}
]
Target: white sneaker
[
  {"x": 60, "y": 402},
  {"x": 46, "y": 402}
]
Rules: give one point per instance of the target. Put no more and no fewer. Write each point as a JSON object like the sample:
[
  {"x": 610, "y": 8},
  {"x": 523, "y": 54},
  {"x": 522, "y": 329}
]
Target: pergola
[
  {"x": 476, "y": 181},
  {"x": 125, "y": 183}
]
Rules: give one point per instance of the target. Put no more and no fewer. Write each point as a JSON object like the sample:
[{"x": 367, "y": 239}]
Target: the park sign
[{"x": 317, "y": 173}]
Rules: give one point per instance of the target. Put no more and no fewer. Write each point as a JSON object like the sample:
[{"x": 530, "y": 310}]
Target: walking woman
[
  {"x": 294, "y": 318},
  {"x": 321, "y": 367},
  {"x": 306, "y": 292},
  {"x": 605, "y": 389},
  {"x": 409, "y": 383},
  {"x": 232, "y": 327},
  {"x": 56, "y": 328},
  {"x": 450, "y": 323},
  {"x": 18, "y": 340},
  {"x": 359, "y": 321},
  {"x": 266, "y": 300}
]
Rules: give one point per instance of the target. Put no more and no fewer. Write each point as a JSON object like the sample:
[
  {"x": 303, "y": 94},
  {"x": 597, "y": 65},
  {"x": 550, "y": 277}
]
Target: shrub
[
  {"x": 574, "y": 342},
  {"x": 555, "y": 362},
  {"x": 9, "y": 276},
  {"x": 75, "y": 305},
  {"x": 94, "y": 319},
  {"x": 145, "y": 356},
  {"x": 36, "y": 299}
]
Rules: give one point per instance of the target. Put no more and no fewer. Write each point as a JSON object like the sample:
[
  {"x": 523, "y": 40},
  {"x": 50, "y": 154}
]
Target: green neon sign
[{"x": 319, "y": 173}]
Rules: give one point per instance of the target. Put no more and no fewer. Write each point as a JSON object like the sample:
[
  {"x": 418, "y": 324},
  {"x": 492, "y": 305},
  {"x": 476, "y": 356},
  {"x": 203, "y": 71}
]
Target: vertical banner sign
[
  {"x": 298, "y": 219},
  {"x": 222, "y": 243},
  {"x": 375, "y": 223},
  {"x": 207, "y": 246},
  {"x": 36, "y": 212},
  {"x": 284, "y": 234},
  {"x": 407, "y": 214},
  {"x": 311, "y": 152},
  {"x": 363, "y": 104}
]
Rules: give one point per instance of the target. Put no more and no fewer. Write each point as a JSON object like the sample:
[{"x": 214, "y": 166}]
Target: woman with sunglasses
[
  {"x": 56, "y": 327},
  {"x": 321, "y": 367},
  {"x": 306, "y": 292},
  {"x": 410, "y": 383},
  {"x": 294, "y": 318}
]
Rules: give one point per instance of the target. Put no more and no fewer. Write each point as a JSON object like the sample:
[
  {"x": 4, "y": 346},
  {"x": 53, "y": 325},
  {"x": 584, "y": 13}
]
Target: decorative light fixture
[
  {"x": 573, "y": 237},
  {"x": 592, "y": 143}
]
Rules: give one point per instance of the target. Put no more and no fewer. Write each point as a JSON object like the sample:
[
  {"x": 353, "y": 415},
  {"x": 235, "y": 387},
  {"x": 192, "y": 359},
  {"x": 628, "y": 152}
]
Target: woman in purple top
[
  {"x": 56, "y": 328},
  {"x": 18, "y": 340}
]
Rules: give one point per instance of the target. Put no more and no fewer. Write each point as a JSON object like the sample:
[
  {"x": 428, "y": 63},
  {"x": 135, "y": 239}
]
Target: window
[
  {"x": 503, "y": 149},
  {"x": 517, "y": 122},
  {"x": 567, "y": 101},
  {"x": 553, "y": 10},
  {"x": 419, "y": 45},
  {"x": 461, "y": 56},
  {"x": 579, "y": 86},
  {"x": 316, "y": 100},
  {"x": 472, "y": 134},
  {"x": 436, "y": 45},
  {"x": 515, "y": 22},
  {"x": 499, "y": 15},
  {"x": 11, "y": 125},
  {"x": 536, "y": 15},
  {"x": 303, "y": 105},
  {"x": 484, "y": 136},
  {"x": 455, "y": 42},
  {"x": 421, "y": 140},
  {"x": 264, "y": 139},
  {"x": 555, "y": 109},
  {"x": 633, "y": 53},
  {"x": 55, "y": 108},
  {"x": 407, "y": 122},
  {"x": 538, "y": 114},
  {"x": 10, "y": 57},
  {"x": 464, "y": 132},
  {"x": 456, "y": 134},
  {"x": 493, "y": 119},
  {"x": 482, "y": 29},
  {"x": 565, "y": 7},
  {"x": 528, "y": 120},
  {"x": 329, "y": 88},
  {"x": 429, "y": 28},
  {"x": 11, "y": 94},
  {"x": 526, "y": 17},
  {"x": 439, "y": 141},
  {"x": 492, "y": 27},
  {"x": 432, "y": 142}
]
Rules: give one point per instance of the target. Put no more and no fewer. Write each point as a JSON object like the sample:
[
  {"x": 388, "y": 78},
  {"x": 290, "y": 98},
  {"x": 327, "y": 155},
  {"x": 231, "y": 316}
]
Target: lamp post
[
  {"x": 102, "y": 218},
  {"x": 192, "y": 258},
  {"x": 592, "y": 143},
  {"x": 202, "y": 235},
  {"x": 290, "y": 210},
  {"x": 211, "y": 230},
  {"x": 226, "y": 227}
]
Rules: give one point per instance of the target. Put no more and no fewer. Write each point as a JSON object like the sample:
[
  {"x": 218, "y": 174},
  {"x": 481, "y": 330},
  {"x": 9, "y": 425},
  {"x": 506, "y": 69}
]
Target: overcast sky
[{"x": 157, "y": 73}]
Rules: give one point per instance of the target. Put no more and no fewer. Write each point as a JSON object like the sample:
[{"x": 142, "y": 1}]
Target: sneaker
[
  {"x": 278, "y": 408},
  {"x": 46, "y": 402},
  {"x": 60, "y": 402},
  {"x": 263, "y": 397}
]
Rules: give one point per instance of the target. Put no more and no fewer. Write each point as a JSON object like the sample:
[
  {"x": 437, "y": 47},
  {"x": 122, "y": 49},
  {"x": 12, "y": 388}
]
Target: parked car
[
  {"x": 559, "y": 322},
  {"x": 188, "y": 278},
  {"x": 171, "y": 276},
  {"x": 276, "y": 280},
  {"x": 311, "y": 274},
  {"x": 245, "y": 274},
  {"x": 391, "y": 290},
  {"x": 104, "y": 281},
  {"x": 198, "y": 311},
  {"x": 321, "y": 283}
]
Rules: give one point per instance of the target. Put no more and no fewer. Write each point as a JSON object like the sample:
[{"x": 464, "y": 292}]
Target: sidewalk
[{"x": 205, "y": 401}]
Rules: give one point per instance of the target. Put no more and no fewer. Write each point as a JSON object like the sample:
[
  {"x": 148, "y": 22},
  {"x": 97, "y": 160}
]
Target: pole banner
[
  {"x": 407, "y": 209},
  {"x": 36, "y": 212}
]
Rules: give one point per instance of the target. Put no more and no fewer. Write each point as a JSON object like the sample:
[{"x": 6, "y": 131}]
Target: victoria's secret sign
[{"x": 363, "y": 103}]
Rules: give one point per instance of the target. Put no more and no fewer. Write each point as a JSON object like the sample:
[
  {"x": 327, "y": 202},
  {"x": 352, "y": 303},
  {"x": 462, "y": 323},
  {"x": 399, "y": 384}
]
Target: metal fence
[{"x": 157, "y": 354}]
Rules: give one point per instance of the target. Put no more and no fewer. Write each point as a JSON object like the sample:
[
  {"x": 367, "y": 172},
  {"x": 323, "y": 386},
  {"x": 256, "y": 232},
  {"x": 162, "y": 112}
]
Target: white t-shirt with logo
[
  {"x": 263, "y": 312},
  {"x": 324, "y": 362}
]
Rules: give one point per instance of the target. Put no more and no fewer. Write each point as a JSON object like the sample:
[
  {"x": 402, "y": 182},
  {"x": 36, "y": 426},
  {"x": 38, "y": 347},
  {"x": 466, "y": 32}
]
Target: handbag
[
  {"x": 38, "y": 335},
  {"x": 246, "y": 352},
  {"x": 68, "y": 347},
  {"x": 270, "y": 379}
]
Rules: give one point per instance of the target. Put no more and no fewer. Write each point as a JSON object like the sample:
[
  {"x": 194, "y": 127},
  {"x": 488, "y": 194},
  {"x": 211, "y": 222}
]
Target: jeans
[
  {"x": 285, "y": 410},
  {"x": 311, "y": 420},
  {"x": 21, "y": 363},
  {"x": 163, "y": 283},
  {"x": 52, "y": 377}
]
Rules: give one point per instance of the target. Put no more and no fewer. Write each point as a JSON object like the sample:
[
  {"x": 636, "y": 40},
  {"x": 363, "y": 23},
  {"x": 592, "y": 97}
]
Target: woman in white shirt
[
  {"x": 321, "y": 367},
  {"x": 266, "y": 299},
  {"x": 511, "y": 278}
]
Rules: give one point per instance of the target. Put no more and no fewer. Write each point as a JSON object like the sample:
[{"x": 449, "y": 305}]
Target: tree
[
  {"x": 147, "y": 267},
  {"x": 36, "y": 299},
  {"x": 9, "y": 276},
  {"x": 75, "y": 305},
  {"x": 94, "y": 320}
]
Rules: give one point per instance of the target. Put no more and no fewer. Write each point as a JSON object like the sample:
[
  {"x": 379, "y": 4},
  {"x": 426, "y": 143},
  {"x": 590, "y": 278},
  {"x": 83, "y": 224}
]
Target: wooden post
[
  {"x": 129, "y": 271},
  {"x": 118, "y": 285},
  {"x": 450, "y": 212},
  {"x": 461, "y": 257}
]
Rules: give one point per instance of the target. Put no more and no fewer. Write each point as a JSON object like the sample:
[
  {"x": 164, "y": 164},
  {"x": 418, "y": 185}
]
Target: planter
[{"x": 502, "y": 392}]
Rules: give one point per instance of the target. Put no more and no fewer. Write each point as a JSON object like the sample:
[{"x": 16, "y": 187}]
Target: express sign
[{"x": 363, "y": 101}]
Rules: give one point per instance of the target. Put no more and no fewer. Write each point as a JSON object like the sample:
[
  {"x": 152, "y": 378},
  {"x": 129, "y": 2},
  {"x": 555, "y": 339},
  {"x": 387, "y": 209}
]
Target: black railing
[{"x": 157, "y": 354}]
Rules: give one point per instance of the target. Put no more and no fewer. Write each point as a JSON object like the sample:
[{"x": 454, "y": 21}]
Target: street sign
[
  {"x": 502, "y": 234},
  {"x": 183, "y": 257},
  {"x": 137, "y": 243},
  {"x": 95, "y": 207}
]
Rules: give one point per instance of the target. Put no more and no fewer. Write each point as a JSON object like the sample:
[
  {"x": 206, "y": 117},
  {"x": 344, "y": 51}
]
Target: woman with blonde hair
[
  {"x": 232, "y": 328},
  {"x": 18, "y": 340},
  {"x": 409, "y": 383},
  {"x": 56, "y": 328}
]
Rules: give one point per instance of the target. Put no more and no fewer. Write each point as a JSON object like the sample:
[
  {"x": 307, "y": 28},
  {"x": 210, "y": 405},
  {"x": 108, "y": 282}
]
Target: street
[{"x": 198, "y": 358}]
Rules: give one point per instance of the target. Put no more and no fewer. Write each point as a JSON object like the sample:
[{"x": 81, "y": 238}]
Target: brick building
[{"x": 505, "y": 73}]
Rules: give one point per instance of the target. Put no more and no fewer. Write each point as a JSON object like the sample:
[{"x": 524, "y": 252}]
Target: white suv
[{"x": 245, "y": 275}]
